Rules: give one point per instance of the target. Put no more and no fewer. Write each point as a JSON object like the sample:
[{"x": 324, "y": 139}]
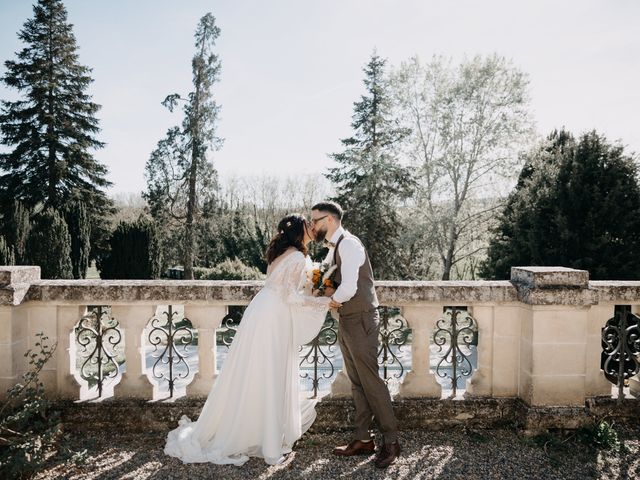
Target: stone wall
[
  {"x": 338, "y": 414},
  {"x": 539, "y": 333}
]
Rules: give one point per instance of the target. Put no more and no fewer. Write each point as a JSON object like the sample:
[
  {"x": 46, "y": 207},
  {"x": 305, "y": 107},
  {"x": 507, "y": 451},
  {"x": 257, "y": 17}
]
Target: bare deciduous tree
[
  {"x": 271, "y": 197},
  {"x": 468, "y": 123}
]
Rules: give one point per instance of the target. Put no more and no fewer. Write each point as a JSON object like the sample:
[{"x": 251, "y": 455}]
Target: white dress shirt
[{"x": 352, "y": 256}]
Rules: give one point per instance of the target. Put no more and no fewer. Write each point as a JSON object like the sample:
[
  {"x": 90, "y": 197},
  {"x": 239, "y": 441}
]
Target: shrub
[
  {"x": 135, "y": 252},
  {"x": 599, "y": 435},
  {"x": 80, "y": 231},
  {"x": 6, "y": 252},
  {"x": 15, "y": 230},
  {"x": 228, "y": 270},
  {"x": 49, "y": 245},
  {"x": 29, "y": 427}
]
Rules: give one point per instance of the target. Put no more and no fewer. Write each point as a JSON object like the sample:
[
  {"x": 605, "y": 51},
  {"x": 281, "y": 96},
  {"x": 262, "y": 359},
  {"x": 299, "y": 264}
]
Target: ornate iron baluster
[
  {"x": 99, "y": 330},
  {"x": 460, "y": 333},
  {"x": 393, "y": 331},
  {"x": 183, "y": 335},
  {"x": 621, "y": 348},
  {"x": 328, "y": 336},
  {"x": 228, "y": 326}
]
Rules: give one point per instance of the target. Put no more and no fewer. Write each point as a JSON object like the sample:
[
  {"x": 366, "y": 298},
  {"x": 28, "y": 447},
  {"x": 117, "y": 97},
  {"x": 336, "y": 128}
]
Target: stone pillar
[
  {"x": 341, "y": 386},
  {"x": 420, "y": 381},
  {"x": 554, "y": 334},
  {"x": 133, "y": 319},
  {"x": 507, "y": 325},
  {"x": 67, "y": 380},
  {"x": 634, "y": 386},
  {"x": 206, "y": 319},
  {"x": 634, "y": 382},
  {"x": 15, "y": 336},
  {"x": 8, "y": 376},
  {"x": 481, "y": 382},
  {"x": 595, "y": 382}
]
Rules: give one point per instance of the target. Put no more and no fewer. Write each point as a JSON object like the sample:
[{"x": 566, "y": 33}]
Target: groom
[{"x": 356, "y": 302}]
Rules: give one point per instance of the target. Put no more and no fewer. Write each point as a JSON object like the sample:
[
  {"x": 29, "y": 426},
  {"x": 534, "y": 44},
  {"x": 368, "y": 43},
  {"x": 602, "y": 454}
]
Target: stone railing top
[
  {"x": 241, "y": 292},
  {"x": 616, "y": 291},
  {"x": 143, "y": 291},
  {"x": 451, "y": 292},
  {"x": 16, "y": 275},
  {"x": 529, "y": 285},
  {"x": 550, "y": 277},
  {"x": 15, "y": 283}
]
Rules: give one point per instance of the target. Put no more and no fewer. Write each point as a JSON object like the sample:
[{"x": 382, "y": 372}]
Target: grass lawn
[{"x": 92, "y": 272}]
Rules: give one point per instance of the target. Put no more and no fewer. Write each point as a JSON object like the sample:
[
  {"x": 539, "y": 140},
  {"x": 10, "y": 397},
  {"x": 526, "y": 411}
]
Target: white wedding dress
[{"x": 254, "y": 408}]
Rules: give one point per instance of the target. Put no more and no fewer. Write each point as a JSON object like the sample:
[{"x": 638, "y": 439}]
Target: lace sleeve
[{"x": 294, "y": 283}]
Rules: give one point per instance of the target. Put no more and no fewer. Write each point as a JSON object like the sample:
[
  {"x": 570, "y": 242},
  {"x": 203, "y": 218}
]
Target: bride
[{"x": 254, "y": 407}]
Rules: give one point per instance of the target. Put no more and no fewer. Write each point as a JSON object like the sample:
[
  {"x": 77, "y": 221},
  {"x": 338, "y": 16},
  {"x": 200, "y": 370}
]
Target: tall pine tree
[
  {"x": 369, "y": 180},
  {"x": 51, "y": 129}
]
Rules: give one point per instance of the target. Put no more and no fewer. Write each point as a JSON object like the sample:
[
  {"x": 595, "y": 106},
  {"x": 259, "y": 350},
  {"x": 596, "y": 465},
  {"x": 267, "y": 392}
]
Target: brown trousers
[{"x": 358, "y": 339}]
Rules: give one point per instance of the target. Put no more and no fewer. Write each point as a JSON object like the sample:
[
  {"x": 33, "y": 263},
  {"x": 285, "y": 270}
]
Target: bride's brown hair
[{"x": 290, "y": 234}]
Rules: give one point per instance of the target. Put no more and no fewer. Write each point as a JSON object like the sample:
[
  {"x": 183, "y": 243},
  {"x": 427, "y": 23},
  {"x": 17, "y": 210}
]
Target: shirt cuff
[{"x": 338, "y": 299}]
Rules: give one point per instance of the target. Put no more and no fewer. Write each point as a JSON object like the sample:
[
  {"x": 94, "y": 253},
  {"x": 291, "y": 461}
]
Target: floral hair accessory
[{"x": 288, "y": 224}]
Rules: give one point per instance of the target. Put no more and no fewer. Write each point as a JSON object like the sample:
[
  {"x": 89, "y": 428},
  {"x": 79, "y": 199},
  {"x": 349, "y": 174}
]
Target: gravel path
[{"x": 496, "y": 454}]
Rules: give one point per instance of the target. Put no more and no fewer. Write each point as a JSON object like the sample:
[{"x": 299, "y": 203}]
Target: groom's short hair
[{"x": 330, "y": 207}]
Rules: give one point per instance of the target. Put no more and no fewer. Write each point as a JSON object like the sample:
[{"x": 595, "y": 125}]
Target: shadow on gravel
[{"x": 491, "y": 454}]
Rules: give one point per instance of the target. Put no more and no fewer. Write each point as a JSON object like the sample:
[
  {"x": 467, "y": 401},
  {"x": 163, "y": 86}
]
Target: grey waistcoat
[{"x": 365, "y": 298}]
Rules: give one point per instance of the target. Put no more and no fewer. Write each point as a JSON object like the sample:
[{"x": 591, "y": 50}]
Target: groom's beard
[{"x": 321, "y": 235}]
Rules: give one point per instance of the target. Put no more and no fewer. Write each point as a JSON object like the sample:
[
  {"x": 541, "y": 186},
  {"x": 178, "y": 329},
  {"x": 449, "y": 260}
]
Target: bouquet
[{"x": 320, "y": 277}]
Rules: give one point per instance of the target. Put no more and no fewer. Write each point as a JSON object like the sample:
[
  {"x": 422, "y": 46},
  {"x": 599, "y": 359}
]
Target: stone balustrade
[{"x": 538, "y": 335}]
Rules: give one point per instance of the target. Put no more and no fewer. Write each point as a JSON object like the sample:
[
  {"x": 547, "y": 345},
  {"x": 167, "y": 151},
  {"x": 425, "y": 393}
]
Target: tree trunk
[
  {"x": 51, "y": 159},
  {"x": 446, "y": 274},
  {"x": 448, "y": 259},
  {"x": 190, "y": 236}
]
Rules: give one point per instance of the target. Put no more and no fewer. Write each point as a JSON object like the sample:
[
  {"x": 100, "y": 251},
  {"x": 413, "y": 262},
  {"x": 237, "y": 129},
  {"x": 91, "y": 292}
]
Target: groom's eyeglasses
[{"x": 313, "y": 221}]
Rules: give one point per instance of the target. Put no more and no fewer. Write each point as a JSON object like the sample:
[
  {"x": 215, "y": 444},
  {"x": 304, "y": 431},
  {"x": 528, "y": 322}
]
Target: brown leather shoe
[
  {"x": 387, "y": 455},
  {"x": 356, "y": 447}
]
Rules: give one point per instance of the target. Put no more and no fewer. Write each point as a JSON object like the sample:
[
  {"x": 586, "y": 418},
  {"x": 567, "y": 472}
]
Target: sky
[{"x": 291, "y": 69}]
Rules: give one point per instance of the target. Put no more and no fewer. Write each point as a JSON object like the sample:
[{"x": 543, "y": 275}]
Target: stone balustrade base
[
  {"x": 337, "y": 414},
  {"x": 538, "y": 337}
]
